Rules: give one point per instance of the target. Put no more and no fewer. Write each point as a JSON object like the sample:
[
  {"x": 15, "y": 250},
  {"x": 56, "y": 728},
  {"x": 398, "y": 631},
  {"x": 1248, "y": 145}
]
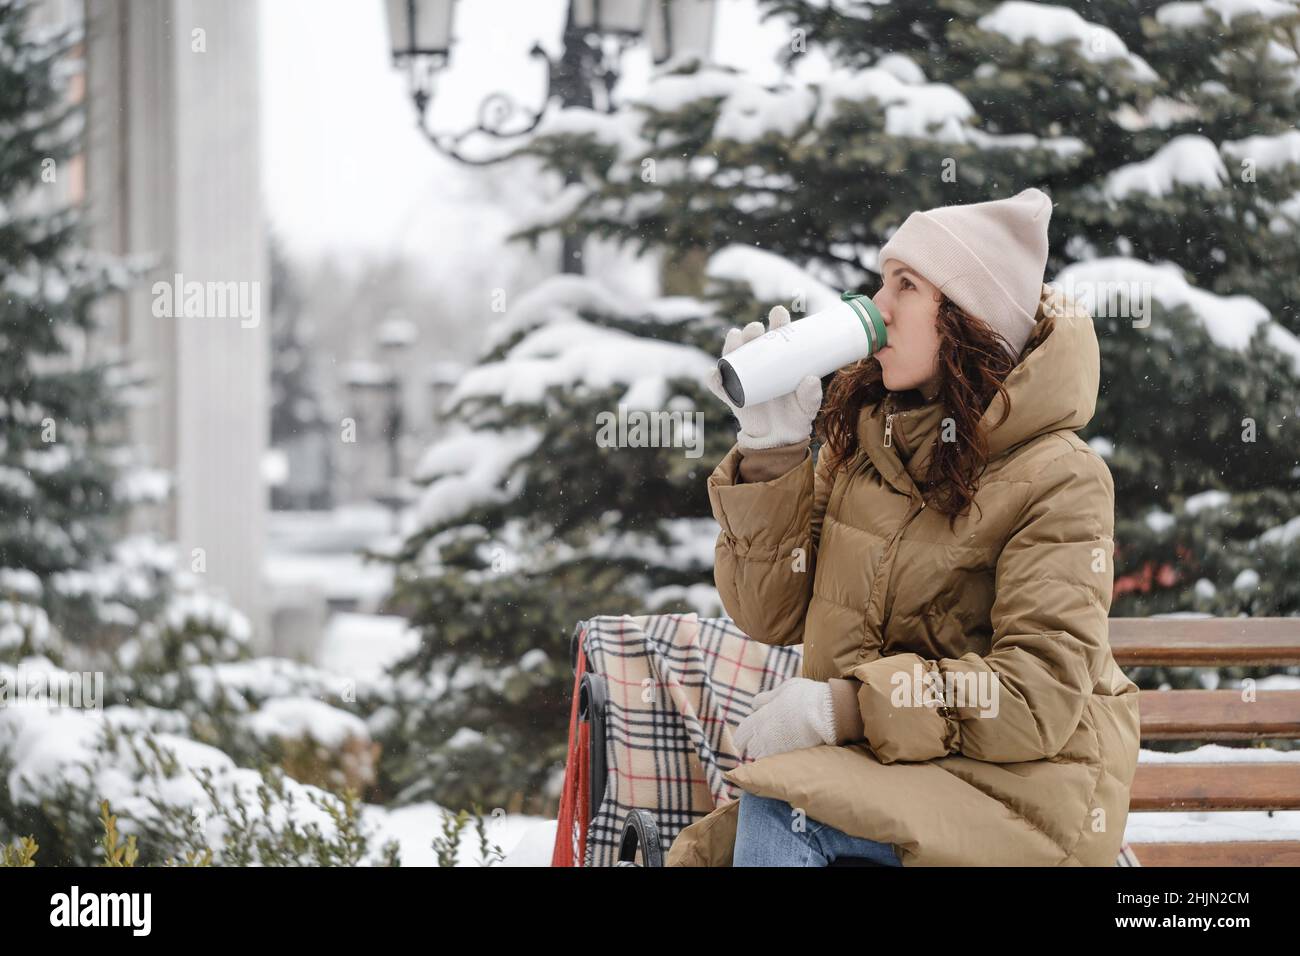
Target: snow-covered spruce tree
[
  {"x": 59, "y": 467},
  {"x": 550, "y": 500},
  {"x": 1166, "y": 136}
]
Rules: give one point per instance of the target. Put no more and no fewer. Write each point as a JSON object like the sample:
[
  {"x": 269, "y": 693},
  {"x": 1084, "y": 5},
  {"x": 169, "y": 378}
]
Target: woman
[{"x": 946, "y": 563}]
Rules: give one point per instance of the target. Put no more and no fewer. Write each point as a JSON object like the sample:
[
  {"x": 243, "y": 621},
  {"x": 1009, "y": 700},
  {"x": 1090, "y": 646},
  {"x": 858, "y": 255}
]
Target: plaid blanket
[{"x": 676, "y": 684}]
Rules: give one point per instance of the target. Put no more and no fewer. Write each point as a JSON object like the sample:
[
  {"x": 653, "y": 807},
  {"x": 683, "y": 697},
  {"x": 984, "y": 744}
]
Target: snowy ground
[
  {"x": 321, "y": 551},
  {"x": 340, "y": 578},
  {"x": 526, "y": 841},
  {"x": 362, "y": 645}
]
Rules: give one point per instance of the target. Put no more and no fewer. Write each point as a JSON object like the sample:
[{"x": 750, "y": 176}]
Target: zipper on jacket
[
  {"x": 885, "y": 570},
  {"x": 891, "y": 406}
]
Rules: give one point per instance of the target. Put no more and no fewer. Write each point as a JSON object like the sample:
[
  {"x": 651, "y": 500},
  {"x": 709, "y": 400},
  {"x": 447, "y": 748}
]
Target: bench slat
[
  {"x": 1218, "y": 715},
  {"x": 1234, "y": 853},
  {"x": 1205, "y": 642},
  {"x": 1216, "y": 786}
]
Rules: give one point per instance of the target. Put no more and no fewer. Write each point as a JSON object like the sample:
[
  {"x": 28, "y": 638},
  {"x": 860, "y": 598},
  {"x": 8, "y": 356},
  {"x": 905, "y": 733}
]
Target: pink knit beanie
[{"x": 988, "y": 257}]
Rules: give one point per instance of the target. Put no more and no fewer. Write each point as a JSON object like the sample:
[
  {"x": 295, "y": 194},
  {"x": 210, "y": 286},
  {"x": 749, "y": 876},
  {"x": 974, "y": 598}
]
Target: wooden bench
[
  {"x": 1191, "y": 715},
  {"x": 1214, "y": 716}
]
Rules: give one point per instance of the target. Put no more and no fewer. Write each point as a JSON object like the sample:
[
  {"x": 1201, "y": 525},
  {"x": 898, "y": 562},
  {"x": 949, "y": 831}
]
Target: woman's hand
[
  {"x": 783, "y": 420},
  {"x": 791, "y": 716}
]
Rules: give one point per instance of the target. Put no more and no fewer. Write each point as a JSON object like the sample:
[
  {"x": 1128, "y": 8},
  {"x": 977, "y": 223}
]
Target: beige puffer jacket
[{"x": 1033, "y": 764}]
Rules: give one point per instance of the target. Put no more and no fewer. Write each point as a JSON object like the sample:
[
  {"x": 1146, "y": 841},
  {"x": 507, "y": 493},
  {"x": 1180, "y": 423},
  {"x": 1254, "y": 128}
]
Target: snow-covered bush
[
  {"x": 177, "y": 797},
  {"x": 193, "y": 629}
]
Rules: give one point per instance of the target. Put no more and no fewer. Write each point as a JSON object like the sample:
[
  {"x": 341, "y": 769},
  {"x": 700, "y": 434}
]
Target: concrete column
[{"x": 173, "y": 172}]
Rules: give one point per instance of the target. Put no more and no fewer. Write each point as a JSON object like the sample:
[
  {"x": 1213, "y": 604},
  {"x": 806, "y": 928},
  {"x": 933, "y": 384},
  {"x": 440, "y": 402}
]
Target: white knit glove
[
  {"x": 783, "y": 420},
  {"x": 791, "y": 716}
]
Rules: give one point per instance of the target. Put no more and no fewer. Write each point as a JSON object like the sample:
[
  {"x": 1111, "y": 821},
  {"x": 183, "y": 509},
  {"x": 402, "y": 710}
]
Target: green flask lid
[{"x": 872, "y": 321}]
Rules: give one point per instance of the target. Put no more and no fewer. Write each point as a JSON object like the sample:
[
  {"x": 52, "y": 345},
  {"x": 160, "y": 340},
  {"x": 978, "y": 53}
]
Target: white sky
[{"x": 344, "y": 169}]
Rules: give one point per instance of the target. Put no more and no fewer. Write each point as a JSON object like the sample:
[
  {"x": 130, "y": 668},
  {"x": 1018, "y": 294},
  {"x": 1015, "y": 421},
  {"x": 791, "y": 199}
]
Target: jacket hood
[{"x": 1054, "y": 386}]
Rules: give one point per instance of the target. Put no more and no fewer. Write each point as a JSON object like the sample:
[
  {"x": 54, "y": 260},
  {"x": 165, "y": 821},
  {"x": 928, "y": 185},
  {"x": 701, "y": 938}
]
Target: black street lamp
[
  {"x": 596, "y": 35},
  {"x": 420, "y": 33}
]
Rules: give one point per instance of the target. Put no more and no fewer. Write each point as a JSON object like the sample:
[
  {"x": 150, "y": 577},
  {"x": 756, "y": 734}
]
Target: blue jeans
[{"x": 766, "y": 836}]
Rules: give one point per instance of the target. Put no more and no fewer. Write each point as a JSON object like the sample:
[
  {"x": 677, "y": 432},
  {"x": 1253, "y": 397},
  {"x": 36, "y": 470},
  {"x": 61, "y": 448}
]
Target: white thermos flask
[{"x": 778, "y": 360}]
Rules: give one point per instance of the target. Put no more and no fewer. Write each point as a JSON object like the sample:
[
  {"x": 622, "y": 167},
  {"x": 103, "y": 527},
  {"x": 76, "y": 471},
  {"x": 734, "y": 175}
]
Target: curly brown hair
[{"x": 973, "y": 364}]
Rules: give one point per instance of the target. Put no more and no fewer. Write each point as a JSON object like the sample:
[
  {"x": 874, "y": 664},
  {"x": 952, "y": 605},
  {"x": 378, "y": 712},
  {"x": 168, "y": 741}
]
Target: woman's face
[{"x": 910, "y": 306}]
